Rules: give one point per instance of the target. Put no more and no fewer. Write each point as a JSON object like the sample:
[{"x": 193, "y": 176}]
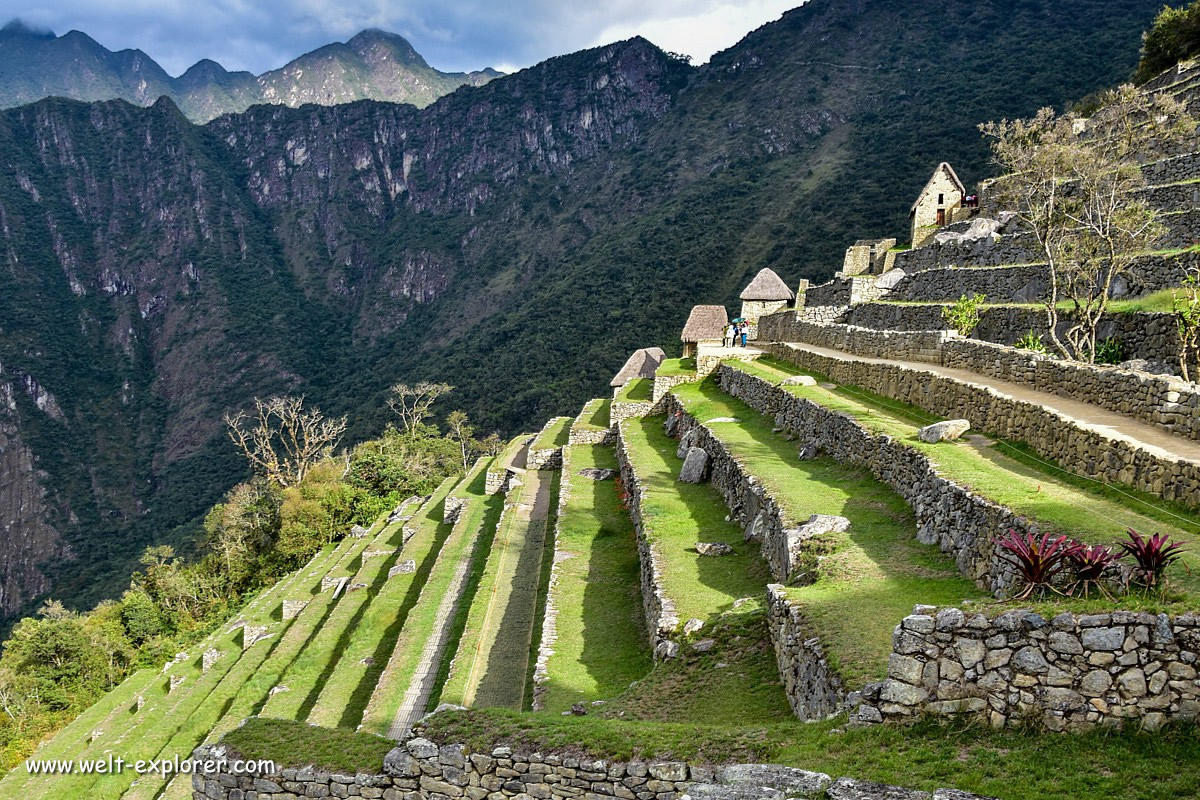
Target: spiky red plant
[
  {"x": 1037, "y": 561},
  {"x": 1089, "y": 563},
  {"x": 1153, "y": 556}
]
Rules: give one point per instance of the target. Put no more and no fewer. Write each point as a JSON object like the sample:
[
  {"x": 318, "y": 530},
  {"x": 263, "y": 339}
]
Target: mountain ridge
[{"x": 373, "y": 64}]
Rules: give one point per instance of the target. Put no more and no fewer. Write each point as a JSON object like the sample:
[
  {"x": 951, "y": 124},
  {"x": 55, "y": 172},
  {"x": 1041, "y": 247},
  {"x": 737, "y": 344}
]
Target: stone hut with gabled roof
[
  {"x": 642, "y": 364},
  {"x": 935, "y": 205},
  {"x": 766, "y": 294},
  {"x": 705, "y": 325}
]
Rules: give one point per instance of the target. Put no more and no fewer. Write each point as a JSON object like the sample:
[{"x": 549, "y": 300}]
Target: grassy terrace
[
  {"x": 166, "y": 722},
  {"x": 874, "y": 573},
  {"x": 1008, "y": 474},
  {"x": 462, "y": 543},
  {"x": 511, "y": 453},
  {"x": 368, "y": 640},
  {"x": 674, "y": 367},
  {"x": 492, "y": 665},
  {"x": 638, "y": 390},
  {"x": 594, "y": 415},
  {"x": 602, "y": 643},
  {"x": 554, "y": 434}
]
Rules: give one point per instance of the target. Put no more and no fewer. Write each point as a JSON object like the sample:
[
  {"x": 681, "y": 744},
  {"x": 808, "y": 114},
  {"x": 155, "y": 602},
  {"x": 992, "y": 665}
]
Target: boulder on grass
[
  {"x": 799, "y": 380},
  {"x": 597, "y": 474},
  {"x": 945, "y": 431},
  {"x": 695, "y": 466},
  {"x": 713, "y": 549}
]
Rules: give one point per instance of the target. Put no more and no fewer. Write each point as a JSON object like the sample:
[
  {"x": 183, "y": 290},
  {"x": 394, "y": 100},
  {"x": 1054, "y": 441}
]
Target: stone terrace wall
[
  {"x": 1071, "y": 672},
  {"x": 583, "y": 433},
  {"x": 923, "y": 345},
  {"x": 421, "y": 770},
  {"x": 665, "y": 383},
  {"x": 1082, "y": 450},
  {"x": 541, "y": 670},
  {"x": 962, "y": 524},
  {"x": 1168, "y": 402},
  {"x": 814, "y": 690},
  {"x": 986, "y": 252},
  {"x": 821, "y": 314},
  {"x": 750, "y": 505},
  {"x": 1025, "y": 284},
  {"x": 661, "y": 618}
]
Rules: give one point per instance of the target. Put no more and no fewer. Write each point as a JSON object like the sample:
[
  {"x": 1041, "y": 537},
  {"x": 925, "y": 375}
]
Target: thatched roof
[
  {"x": 705, "y": 323},
  {"x": 953, "y": 177},
  {"x": 767, "y": 286},
  {"x": 641, "y": 364}
]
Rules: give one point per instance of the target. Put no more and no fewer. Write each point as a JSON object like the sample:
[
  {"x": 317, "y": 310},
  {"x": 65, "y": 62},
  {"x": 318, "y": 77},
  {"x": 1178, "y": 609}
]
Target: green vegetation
[
  {"x": 871, "y": 575},
  {"x": 554, "y": 434},
  {"x": 601, "y": 643},
  {"x": 492, "y": 665},
  {"x": 638, "y": 390},
  {"x": 463, "y": 543},
  {"x": 1174, "y": 37},
  {"x": 1007, "y": 474},
  {"x": 1016, "y": 764},
  {"x": 678, "y": 515},
  {"x": 674, "y": 367},
  {"x": 594, "y": 415},
  {"x": 290, "y": 743},
  {"x": 963, "y": 314}
]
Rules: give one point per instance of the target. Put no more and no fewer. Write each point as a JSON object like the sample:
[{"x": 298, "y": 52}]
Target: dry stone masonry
[
  {"x": 813, "y": 688},
  {"x": 292, "y": 608},
  {"x": 420, "y": 769},
  {"x": 1071, "y": 672}
]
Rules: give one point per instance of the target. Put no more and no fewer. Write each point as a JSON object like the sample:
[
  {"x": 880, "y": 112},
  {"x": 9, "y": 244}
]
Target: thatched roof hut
[
  {"x": 641, "y": 364},
  {"x": 767, "y": 286},
  {"x": 705, "y": 324}
]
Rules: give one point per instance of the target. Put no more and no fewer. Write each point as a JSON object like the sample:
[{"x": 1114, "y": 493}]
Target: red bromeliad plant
[
  {"x": 1037, "y": 561},
  {"x": 1089, "y": 563},
  {"x": 1153, "y": 556}
]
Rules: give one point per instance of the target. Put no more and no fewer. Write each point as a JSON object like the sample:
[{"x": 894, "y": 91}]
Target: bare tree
[
  {"x": 414, "y": 404},
  {"x": 1186, "y": 303},
  {"x": 282, "y": 440},
  {"x": 1073, "y": 185},
  {"x": 461, "y": 431}
]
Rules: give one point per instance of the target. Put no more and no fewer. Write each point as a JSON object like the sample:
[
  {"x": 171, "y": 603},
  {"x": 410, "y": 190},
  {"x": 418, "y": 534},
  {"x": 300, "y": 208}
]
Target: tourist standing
[{"x": 744, "y": 329}]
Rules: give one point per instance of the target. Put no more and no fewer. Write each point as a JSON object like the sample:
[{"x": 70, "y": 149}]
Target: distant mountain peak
[{"x": 18, "y": 27}]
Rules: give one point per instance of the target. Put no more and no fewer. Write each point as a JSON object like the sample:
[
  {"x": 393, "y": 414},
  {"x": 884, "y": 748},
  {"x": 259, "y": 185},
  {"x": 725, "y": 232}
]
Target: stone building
[
  {"x": 642, "y": 364},
  {"x": 766, "y": 294},
  {"x": 705, "y": 326},
  {"x": 869, "y": 257},
  {"x": 936, "y": 204}
]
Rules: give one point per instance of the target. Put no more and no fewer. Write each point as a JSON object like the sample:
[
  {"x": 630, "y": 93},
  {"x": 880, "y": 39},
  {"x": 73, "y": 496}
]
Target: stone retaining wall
[
  {"x": 1072, "y": 672},
  {"x": 619, "y": 411},
  {"x": 819, "y": 314},
  {"x": 1168, "y": 402},
  {"x": 749, "y": 503},
  {"x": 665, "y": 383},
  {"x": 814, "y": 690},
  {"x": 661, "y": 618},
  {"x": 960, "y": 523},
  {"x": 921, "y": 345},
  {"x": 1025, "y": 284},
  {"x": 419, "y": 769},
  {"x": 585, "y": 433},
  {"x": 1090, "y": 452},
  {"x": 541, "y": 671},
  {"x": 545, "y": 458}
]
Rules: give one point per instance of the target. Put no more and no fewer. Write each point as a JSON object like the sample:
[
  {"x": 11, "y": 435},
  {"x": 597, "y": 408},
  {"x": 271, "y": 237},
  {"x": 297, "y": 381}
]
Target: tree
[
  {"x": 963, "y": 314},
  {"x": 414, "y": 404},
  {"x": 241, "y": 527},
  {"x": 282, "y": 440},
  {"x": 1186, "y": 304},
  {"x": 1072, "y": 185},
  {"x": 461, "y": 431},
  {"x": 1173, "y": 37}
]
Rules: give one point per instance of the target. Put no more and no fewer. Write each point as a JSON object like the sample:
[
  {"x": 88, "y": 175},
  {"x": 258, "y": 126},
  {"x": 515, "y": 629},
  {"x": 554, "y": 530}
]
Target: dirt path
[{"x": 1154, "y": 439}]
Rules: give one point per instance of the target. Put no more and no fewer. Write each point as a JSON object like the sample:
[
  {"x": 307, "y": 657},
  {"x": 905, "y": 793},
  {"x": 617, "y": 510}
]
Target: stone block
[
  {"x": 403, "y": 568},
  {"x": 850, "y": 789},
  {"x": 947, "y": 430},
  {"x": 1103, "y": 638},
  {"x": 695, "y": 466}
]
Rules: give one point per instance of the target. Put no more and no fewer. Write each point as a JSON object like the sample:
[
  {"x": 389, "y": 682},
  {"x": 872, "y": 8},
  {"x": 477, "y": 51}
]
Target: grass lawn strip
[
  {"x": 410, "y": 648},
  {"x": 678, "y": 515},
  {"x": 601, "y": 644},
  {"x": 123, "y": 716},
  {"x": 990, "y": 468},
  {"x": 873, "y": 573},
  {"x": 675, "y": 367},
  {"x": 594, "y": 415},
  {"x": 638, "y": 390},
  {"x": 307, "y": 674},
  {"x": 372, "y": 636},
  {"x": 492, "y": 661},
  {"x": 554, "y": 434}
]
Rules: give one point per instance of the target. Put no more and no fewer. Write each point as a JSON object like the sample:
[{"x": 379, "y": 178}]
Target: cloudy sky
[{"x": 453, "y": 35}]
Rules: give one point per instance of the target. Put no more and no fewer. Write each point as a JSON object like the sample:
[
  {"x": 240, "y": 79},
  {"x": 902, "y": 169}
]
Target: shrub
[
  {"x": 963, "y": 315},
  {"x": 1089, "y": 563},
  {"x": 1038, "y": 561},
  {"x": 1153, "y": 556},
  {"x": 1110, "y": 351},
  {"x": 1031, "y": 341},
  {"x": 1174, "y": 36}
]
